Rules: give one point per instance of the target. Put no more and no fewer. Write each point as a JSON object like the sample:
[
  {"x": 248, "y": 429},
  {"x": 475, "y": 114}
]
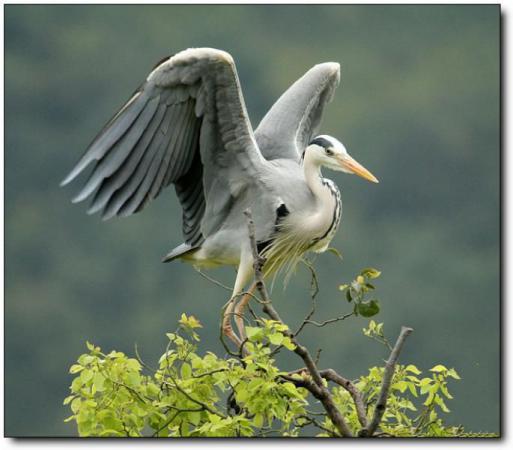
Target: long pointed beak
[{"x": 353, "y": 166}]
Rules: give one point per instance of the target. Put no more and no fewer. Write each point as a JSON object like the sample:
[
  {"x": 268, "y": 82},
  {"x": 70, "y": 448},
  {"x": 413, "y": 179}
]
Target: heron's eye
[{"x": 329, "y": 152}]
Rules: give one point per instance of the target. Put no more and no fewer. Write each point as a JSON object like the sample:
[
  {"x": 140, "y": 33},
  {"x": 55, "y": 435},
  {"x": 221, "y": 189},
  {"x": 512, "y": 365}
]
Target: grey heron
[{"x": 187, "y": 125}]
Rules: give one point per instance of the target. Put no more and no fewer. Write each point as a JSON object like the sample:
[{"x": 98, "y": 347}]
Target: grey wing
[
  {"x": 186, "y": 125},
  {"x": 294, "y": 119}
]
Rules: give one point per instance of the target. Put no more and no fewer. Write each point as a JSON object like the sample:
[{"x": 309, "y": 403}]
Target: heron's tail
[{"x": 178, "y": 252}]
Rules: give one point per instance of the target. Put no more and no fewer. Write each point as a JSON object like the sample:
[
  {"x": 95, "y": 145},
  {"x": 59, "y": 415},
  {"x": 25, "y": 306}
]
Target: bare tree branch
[
  {"x": 335, "y": 377},
  {"x": 385, "y": 385},
  {"x": 356, "y": 395}
]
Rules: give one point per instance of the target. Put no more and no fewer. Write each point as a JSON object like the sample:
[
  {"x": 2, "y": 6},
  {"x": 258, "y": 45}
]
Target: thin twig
[
  {"x": 314, "y": 281},
  {"x": 385, "y": 384},
  {"x": 211, "y": 372},
  {"x": 327, "y": 322},
  {"x": 138, "y": 356},
  {"x": 315, "y": 422},
  {"x": 173, "y": 417},
  {"x": 224, "y": 286},
  {"x": 315, "y": 290},
  {"x": 318, "y": 355},
  {"x": 212, "y": 280}
]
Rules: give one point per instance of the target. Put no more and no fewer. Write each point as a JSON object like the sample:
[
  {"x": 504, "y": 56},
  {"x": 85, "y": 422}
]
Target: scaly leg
[
  {"x": 244, "y": 272},
  {"x": 227, "y": 326},
  {"x": 239, "y": 311}
]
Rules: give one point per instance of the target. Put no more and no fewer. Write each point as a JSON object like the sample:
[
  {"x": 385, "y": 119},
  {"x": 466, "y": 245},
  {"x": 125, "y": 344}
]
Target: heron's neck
[{"x": 313, "y": 176}]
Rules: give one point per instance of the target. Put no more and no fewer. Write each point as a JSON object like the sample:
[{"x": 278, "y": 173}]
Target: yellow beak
[{"x": 353, "y": 166}]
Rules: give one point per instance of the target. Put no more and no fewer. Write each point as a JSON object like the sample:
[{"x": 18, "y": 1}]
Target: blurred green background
[{"x": 418, "y": 105}]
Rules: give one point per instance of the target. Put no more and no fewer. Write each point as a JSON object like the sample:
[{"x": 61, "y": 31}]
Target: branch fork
[{"x": 314, "y": 379}]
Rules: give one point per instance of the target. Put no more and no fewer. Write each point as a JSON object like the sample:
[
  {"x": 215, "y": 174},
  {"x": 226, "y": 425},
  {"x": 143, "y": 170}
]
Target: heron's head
[{"x": 329, "y": 152}]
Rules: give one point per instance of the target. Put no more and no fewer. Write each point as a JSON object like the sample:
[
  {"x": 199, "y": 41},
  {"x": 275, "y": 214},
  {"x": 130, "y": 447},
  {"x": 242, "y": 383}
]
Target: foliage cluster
[{"x": 190, "y": 394}]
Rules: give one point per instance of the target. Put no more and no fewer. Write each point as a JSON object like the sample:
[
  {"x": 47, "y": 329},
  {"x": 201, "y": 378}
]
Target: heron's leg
[
  {"x": 239, "y": 311},
  {"x": 227, "y": 325},
  {"x": 244, "y": 272}
]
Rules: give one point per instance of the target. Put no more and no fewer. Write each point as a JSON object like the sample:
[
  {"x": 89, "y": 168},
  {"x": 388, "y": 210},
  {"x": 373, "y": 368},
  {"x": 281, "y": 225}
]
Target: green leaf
[
  {"x": 336, "y": 252},
  {"x": 241, "y": 395},
  {"x": 429, "y": 398},
  {"x": 425, "y": 388},
  {"x": 76, "y": 385},
  {"x": 133, "y": 379},
  {"x": 425, "y": 381},
  {"x": 99, "y": 382},
  {"x": 86, "y": 375},
  {"x": 438, "y": 368},
  {"x": 412, "y": 389},
  {"x": 370, "y": 272},
  {"x": 75, "y": 405},
  {"x": 439, "y": 401},
  {"x": 258, "y": 420},
  {"x": 288, "y": 344},
  {"x": 133, "y": 364},
  {"x": 84, "y": 360},
  {"x": 254, "y": 333},
  {"x": 195, "y": 417},
  {"x": 401, "y": 386},
  {"x": 413, "y": 369},
  {"x": 444, "y": 390},
  {"x": 186, "y": 370},
  {"x": 189, "y": 322},
  {"x": 369, "y": 308},
  {"x": 184, "y": 429},
  {"x": 75, "y": 368},
  {"x": 276, "y": 338},
  {"x": 349, "y": 297},
  {"x": 68, "y": 399},
  {"x": 452, "y": 373}
]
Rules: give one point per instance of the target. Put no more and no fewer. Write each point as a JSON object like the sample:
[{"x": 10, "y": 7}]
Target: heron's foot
[
  {"x": 239, "y": 311},
  {"x": 226, "y": 327},
  {"x": 230, "y": 334}
]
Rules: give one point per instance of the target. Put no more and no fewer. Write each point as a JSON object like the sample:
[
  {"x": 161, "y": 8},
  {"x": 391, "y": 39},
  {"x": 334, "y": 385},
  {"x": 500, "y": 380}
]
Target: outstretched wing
[
  {"x": 294, "y": 119},
  {"x": 186, "y": 125}
]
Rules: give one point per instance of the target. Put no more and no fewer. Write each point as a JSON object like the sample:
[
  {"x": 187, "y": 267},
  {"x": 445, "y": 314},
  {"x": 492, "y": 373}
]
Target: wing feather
[
  {"x": 139, "y": 197},
  {"x": 132, "y": 184},
  {"x": 111, "y": 184},
  {"x": 174, "y": 152},
  {"x": 110, "y": 133},
  {"x": 117, "y": 154},
  {"x": 187, "y": 125},
  {"x": 294, "y": 119}
]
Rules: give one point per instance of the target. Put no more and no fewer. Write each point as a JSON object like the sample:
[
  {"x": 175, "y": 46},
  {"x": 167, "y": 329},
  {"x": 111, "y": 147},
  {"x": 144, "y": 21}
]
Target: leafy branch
[{"x": 247, "y": 394}]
